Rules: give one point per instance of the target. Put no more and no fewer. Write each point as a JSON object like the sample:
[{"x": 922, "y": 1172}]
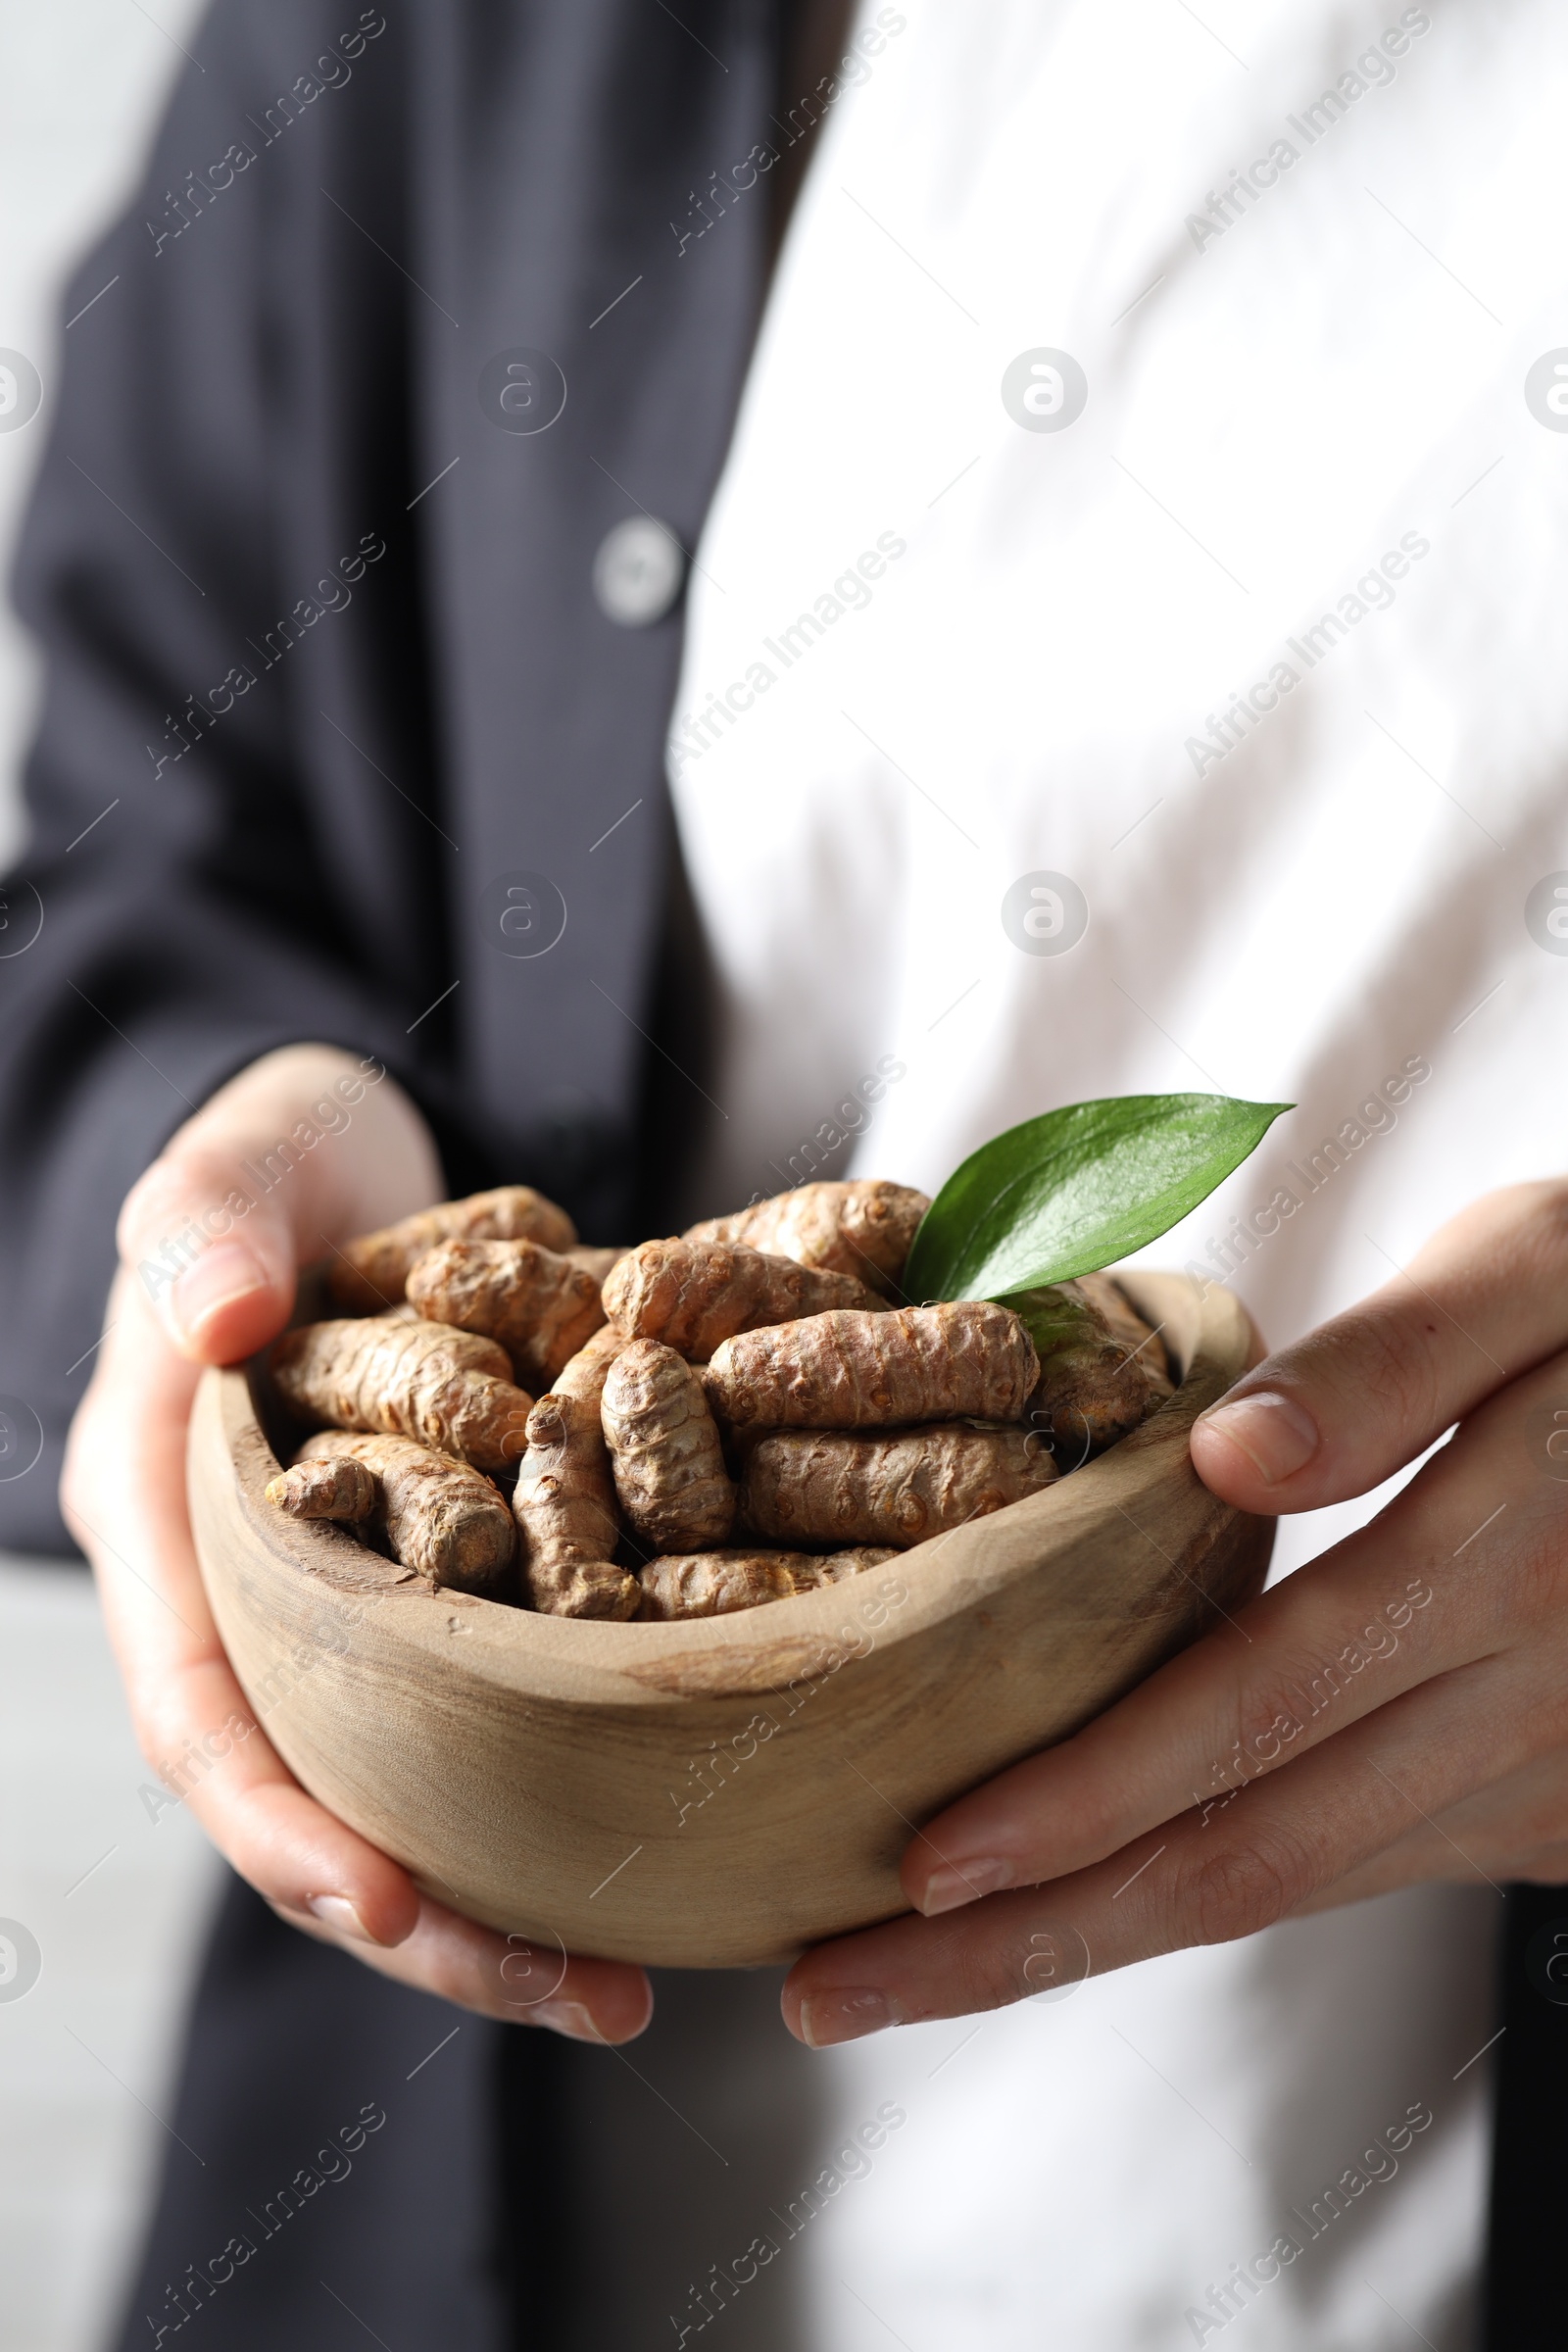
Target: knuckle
[
  {"x": 159, "y": 1190},
  {"x": 1269, "y": 1717},
  {"x": 190, "y": 1178},
  {"x": 159, "y": 1751},
  {"x": 979, "y": 1968},
  {"x": 1401, "y": 1364},
  {"x": 467, "y": 1982},
  {"x": 1242, "y": 1889},
  {"x": 81, "y": 1492},
  {"x": 1537, "y": 1563}
]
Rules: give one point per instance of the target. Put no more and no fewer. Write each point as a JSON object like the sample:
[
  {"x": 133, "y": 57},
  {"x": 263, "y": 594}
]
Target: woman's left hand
[{"x": 1396, "y": 1711}]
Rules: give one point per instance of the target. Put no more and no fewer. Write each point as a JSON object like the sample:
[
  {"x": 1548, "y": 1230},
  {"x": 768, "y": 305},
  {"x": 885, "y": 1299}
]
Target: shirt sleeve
[{"x": 232, "y": 793}]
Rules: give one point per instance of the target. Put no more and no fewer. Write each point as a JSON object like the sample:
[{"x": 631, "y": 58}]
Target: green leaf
[{"x": 1078, "y": 1188}]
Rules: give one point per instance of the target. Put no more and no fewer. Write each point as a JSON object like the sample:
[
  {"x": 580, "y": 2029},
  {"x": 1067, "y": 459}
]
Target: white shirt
[{"x": 1316, "y": 407}]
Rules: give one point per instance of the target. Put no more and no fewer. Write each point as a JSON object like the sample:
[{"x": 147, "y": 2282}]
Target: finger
[
  {"x": 1440, "y": 1576},
  {"x": 1514, "y": 1829},
  {"x": 509, "y": 1978},
  {"x": 215, "y": 1255},
  {"x": 301, "y": 1149},
  {"x": 200, "y": 1735},
  {"x": 1290, "y": 1839},
  {"x": 123, "y": 1494},
  {"x": 203, "y": 1738},
  {"x": 1344, "y": 1409}
]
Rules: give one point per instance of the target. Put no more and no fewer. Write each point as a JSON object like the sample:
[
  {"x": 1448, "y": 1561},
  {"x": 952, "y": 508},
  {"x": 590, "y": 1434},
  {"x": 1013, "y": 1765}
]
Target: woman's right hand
[{"x": 124, "y": 1497}]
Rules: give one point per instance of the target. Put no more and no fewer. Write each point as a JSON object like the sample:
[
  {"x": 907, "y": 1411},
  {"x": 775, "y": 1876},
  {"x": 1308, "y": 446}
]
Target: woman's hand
[
  {"x": 124, "y": 1497},
  {"x": 1396, "y": 1711}
]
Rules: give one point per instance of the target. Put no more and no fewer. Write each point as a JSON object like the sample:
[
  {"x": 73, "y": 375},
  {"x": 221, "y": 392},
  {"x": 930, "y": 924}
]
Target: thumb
[
  {"x": 214, "y": 1253},
  {"x": 1483, "y": 1301}
]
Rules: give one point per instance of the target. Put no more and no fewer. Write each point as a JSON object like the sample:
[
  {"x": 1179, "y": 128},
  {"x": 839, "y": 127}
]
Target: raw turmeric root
[
  {"x": 565, "y": 1496},
  {"x": 714, "y": 1584},
  {"x": 750, "y": 1402},
  {"x": 590, "y": 1589},
  {"x": 692, "y": 1295},
  {"x": 448, "y": 1389},
  {"x": 343, "y": 1490},
  {"x": 1101, "y": 1370},
  {"x": 863, "y": 1371},
  {"x": 536, "y": 1302},
  {"x": 564, "y": 1506},
  {"x": 369, "y": 1273},
  {"x": 831, "y": 1487},
  {"x": 664, "y": 1450},
  {"x": 440, "y": 1518},
  {"x": 585, "y": 1376},
  {"x": 863, "y": 1228},
  {"x": 814, "y": 1569},
  {"x": 586, "y": 1372},
  {"x": 1127, "y": 1325}
]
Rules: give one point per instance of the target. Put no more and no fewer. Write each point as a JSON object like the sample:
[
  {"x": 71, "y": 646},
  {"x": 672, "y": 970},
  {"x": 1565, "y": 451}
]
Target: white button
[{"x": 638, "y": 572}]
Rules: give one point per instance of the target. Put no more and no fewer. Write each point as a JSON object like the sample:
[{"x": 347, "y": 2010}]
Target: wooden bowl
[{"x": 715, "y": 1793}]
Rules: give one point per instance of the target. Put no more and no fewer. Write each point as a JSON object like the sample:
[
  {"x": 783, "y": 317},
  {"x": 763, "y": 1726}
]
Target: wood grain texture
[{"x": 715, "y": 1793}]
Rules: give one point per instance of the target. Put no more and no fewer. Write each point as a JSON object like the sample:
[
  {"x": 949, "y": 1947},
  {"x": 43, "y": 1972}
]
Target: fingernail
[
  {"x": 227, "y": 1271},
  {"x": 830, "y": 2017},
  {"x": 951, "y": 1884},
  {"x": 1275, "y": 1432},
  {"x": 336, "y": 1911},
  {"x": 565, "y": 2017}
]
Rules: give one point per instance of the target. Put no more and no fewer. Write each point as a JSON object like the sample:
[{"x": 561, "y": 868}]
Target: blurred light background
[{"x": 116, "y": 1899}]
